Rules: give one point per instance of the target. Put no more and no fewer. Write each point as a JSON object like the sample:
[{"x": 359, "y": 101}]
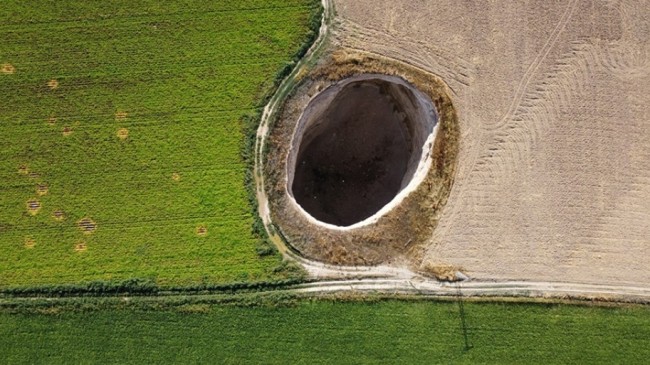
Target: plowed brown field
[{"x": 553, "y": 97}]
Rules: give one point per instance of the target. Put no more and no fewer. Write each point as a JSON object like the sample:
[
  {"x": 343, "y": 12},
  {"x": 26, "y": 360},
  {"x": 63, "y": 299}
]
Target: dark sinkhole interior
[{"x": 360, "y": 143}]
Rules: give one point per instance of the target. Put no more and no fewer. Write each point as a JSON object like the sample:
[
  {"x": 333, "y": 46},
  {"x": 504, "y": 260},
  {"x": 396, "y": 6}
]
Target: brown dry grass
[
  {"x": 53, "y": 84},
  {"x": 201, "y": 230},
  {"x": 58, "y": 215},
  {"x": 33, "y": 206},
  {"x": 443, "y": 272},
  {"x": 87, "y": 225},
  {"x": 7, "y": 69},
  {"x": 80, "y": 246},
  {"x": 41, "y": 189},
  {"x": 29, "y": 242},
  {"x": 302, "y": 72},
  {"x": 67, "y": 131},
  {"x": 122, "y": 133},
  {"x": 120, "y": 116},
  {"x": 176, "y": 176},
  {"x": 23, "y": 169},
  {"x": 51, "y": 120}
]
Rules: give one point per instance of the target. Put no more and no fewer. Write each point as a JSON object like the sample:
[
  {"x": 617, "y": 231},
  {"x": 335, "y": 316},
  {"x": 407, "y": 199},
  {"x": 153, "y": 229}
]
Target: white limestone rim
[{"x": 421, "y": 172}]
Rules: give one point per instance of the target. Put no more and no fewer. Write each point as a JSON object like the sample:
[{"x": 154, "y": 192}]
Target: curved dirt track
[{"x": 553, "y": 193}]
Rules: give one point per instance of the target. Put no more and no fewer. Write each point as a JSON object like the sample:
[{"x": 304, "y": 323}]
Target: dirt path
[
  {"x": 417, "y": 285},
  {"x": 269, "y": 113}
]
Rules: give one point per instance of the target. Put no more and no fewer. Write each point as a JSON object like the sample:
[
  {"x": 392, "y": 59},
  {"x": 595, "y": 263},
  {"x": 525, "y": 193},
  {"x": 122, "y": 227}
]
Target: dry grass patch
[
  {"x": 53, "y": 84},
  {"x": 51, "y": 120},
  {"x": 33, "y": 206},
  {"x": 41, "y": 189},
  {"x": 33, "y": 175},
  {"x": 8, "y": 69},
  {"x": 67, "y": 131},
  {"x": 201, "y": 230},
  {"x": 119, "y": 116},
  {"x": 80, "y": 246},
  {"x": 302, "y": 72},
  {"x": 176, "y": 176},
  {"x": 29, "y": 242},
  {"x": 58, "y": 215},
  {"x": 87, "y": 225},
  {"x": 23, "y": 170},
  {"x": 122, "y": 133},
  {"x": 443, "y": 272}
]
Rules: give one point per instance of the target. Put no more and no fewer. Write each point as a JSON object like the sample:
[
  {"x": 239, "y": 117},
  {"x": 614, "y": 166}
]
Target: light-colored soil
[{"x": 553, "y": 177}]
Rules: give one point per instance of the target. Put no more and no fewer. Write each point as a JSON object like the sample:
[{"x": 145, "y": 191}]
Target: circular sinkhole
[{"x": 357, "y": 146}]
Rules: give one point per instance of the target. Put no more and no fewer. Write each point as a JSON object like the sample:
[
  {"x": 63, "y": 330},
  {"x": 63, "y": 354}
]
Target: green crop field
[
  {"x": 324, "y": 332},
  {"x": 121, "y": 137}
]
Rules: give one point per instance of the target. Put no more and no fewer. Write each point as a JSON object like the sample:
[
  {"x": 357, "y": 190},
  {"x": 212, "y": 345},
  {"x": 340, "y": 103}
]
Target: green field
[
  {"x": 130, "y": 114},
  {"x": 325, "y": 332}
]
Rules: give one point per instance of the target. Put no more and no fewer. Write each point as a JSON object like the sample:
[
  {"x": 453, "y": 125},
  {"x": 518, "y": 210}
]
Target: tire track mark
[
  {"x": 481, "y": 159},
  {"x": 534, "y": 66}
]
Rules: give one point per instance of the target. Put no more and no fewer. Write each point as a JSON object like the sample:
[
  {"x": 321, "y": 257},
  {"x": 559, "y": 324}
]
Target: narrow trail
[
  {"x": 388, "y": 279},
  {"x": 423, "y": 286}
]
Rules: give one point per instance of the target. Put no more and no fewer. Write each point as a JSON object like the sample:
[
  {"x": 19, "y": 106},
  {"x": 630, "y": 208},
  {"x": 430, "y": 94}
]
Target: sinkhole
[{"x": 357, "y": 145}]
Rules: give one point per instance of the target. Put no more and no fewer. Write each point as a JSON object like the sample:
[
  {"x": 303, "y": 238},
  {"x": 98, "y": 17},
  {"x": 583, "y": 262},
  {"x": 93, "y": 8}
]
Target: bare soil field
[{"x": 553, "y": 100}]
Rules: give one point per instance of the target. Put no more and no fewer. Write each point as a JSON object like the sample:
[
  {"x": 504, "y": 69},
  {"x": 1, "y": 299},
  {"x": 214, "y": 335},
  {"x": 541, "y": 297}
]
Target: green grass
[
  {"x": 185, "y": 73},
  {"x": 325, "y": 332}
]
